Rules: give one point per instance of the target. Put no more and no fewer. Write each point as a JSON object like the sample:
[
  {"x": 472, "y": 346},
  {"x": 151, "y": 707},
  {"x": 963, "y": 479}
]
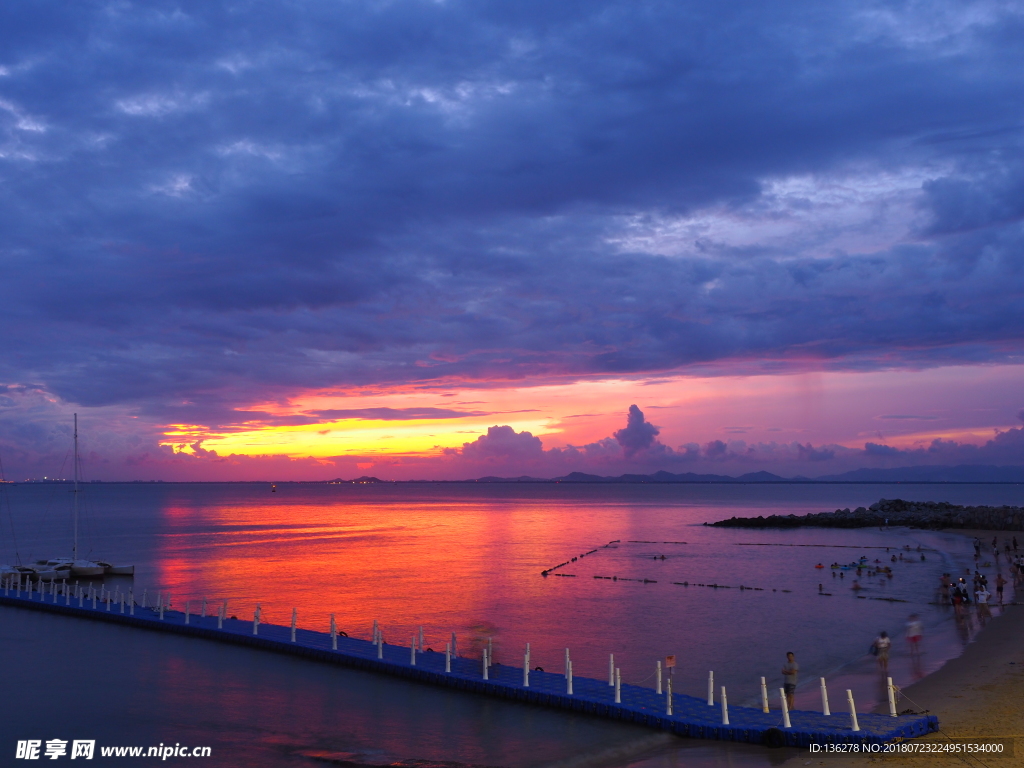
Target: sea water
[{"x": 652, "y": 582}]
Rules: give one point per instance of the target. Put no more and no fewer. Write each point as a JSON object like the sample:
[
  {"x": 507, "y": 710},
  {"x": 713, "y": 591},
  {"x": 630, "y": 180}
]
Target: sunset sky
[{"x": 442, "y": 239}]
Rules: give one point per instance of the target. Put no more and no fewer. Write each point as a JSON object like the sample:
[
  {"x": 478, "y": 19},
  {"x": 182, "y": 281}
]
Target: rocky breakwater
[{"x": 916, "y": 514}]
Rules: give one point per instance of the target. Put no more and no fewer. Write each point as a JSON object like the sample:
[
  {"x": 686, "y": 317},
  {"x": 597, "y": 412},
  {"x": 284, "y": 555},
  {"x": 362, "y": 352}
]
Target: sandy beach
[{"x": 978, "y": 694}]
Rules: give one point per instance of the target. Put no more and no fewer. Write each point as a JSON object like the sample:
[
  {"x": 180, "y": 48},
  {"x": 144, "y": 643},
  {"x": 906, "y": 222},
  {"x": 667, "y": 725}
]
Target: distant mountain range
[{"x": 964, "y": 473}]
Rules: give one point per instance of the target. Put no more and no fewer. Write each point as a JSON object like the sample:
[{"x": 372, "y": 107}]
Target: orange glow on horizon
[{"x": 898, "y": 408}]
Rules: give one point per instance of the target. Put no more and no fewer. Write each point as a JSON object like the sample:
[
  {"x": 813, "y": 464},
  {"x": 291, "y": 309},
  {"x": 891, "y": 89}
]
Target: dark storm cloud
[{"x": 205, "y": 205}]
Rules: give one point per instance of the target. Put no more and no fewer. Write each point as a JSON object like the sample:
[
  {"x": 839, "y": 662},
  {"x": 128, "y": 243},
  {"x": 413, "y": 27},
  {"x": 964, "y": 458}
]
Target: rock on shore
[{"x": 916, "y": 514}]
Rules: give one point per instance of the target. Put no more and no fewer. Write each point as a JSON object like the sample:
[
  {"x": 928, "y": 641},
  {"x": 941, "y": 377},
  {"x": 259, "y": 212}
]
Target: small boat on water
[
  {"x": 117, "y": 570},
  {"x": 67, "y": 567}
]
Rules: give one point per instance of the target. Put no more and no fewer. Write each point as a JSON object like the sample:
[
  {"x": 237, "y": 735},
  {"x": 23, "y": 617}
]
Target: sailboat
[{"x": 77, "y": 567}]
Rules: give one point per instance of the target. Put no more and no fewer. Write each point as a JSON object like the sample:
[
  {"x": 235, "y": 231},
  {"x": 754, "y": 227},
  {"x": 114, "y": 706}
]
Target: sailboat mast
[{"x": 74, "y": 555}]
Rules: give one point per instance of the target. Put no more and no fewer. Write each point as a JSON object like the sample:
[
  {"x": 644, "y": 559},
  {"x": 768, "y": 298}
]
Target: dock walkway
[{"x": 691, "y": 717}]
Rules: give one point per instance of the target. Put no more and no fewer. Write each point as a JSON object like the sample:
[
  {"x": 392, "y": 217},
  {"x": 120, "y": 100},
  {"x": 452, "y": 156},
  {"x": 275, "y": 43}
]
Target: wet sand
[{"x": 978, "y": 694}]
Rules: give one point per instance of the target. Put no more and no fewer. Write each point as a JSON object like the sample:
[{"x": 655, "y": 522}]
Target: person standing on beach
[
  {"x": 915, "y": 630},
  {"x": 1000, "y": 582},
  {"x": 882, "y": 644},
  {"x": 790, "y": 672}
]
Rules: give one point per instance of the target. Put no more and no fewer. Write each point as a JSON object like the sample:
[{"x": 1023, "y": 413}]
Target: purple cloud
[
  {"x": 503, "y": 444},
  {"x": 637, "y": 435},
  {"x": 204, "y": 209}
]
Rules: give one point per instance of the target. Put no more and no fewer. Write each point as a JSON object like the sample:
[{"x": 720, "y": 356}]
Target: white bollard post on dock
[
  {"x": 334, "y": 634},
  {"x": 657, "y": 678},
  {"x": 785, "y": 709},
  {"x": 824, "y": 699},
  {"x": 668, "y": 698},
  {"x": 853, "y": 710},
  {"x": 611, "y": 670},
  {"x": 711, "y": 688},
  {"x": 892, "y": 696},
  {"x": 412, "y": 651},
  {"x": 764, "y": 696},
  {"x": 568, "y": 680},
  {"x": 256, "y": 619},
  {"x": 380, "y": 647},
  {"x": 295, "y": 615},
  {"x": 725, "y": 708},
  {"x": 483, "y": 658},
  {"x": 447, "y": 657},
  {"x": 526, "y": 669},
  {"x": 618, "y": 686},
  {"x": 222, "y": 614}
]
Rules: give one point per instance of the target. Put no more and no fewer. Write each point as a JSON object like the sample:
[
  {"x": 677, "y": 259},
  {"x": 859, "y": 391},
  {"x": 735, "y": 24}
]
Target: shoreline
[{"x": 976, "y": 694}]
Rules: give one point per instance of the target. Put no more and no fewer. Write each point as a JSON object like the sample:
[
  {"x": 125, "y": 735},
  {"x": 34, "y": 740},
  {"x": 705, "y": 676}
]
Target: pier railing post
[
  {"x": 785, "y": 709},
  {"x": 380, "y": 646},
  {"x": 412, "y": 651},
  {"x": 295, "y": 612},
  {"x": 188, "y": 608},
  {"x": 222, "y": 614},
  {"x": 611, "y": 670},
  {"x": 711, "y": 689},
  {"x": 892, "y": 696},
  {"x": 568, "y": 679},
  {"x": 526, "y": 670},
  {"x": 483, "y": 658},
  {"x": 853, "y": 710},
  {"x": 618, "y": 686},
  {"x": 725, "y": 708},
  {"x": 447, "y": 657},
  {"x": 824, "y": 699},
  {"x": 256, "y": 619},
  {"x": 668, "y": 698},
  {"x": 657, "y": 678},
  {"x": 334, "y": 634},
  {"x": 764, "y": 696}
]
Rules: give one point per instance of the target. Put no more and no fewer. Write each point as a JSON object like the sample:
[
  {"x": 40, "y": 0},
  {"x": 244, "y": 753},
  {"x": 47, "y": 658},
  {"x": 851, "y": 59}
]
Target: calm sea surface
[{"x": 467, "y": 559}]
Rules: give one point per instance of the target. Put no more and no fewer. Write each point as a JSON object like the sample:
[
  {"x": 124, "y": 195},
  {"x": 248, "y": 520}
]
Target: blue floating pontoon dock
[{"x": 691, "y": 717}]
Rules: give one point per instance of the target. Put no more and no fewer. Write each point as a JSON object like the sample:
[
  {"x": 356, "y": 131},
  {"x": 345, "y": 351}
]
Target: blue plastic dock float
[{"x": 691, "y": 717}]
